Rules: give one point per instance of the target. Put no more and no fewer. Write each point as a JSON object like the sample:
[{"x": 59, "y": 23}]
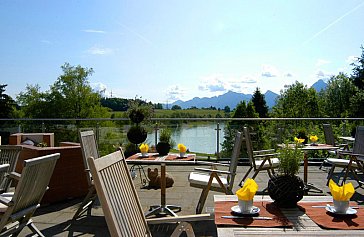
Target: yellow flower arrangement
[
  {"x": 181, "y": 147},
  {"x": 298, "y": 140},
  {"x": 313, "y": 138},
  {"x": 144, "y": 148}
]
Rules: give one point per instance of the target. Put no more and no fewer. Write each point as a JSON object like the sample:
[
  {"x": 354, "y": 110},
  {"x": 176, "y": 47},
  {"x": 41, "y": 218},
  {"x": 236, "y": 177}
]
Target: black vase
[
  {"x": 286, "y": 190},
  {"x": 163, "y": 148}
]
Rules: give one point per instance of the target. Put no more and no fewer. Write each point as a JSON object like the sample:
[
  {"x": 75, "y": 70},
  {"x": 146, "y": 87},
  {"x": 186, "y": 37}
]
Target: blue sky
[{"x": 168, "y": 50}]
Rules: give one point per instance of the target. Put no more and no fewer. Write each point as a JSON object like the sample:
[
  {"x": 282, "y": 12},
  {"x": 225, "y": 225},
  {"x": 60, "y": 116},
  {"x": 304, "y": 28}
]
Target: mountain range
[{"x": 232, "y": 99}]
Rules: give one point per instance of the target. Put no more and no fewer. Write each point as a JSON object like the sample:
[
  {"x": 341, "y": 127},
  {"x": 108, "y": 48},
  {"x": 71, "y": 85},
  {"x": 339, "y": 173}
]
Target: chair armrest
[
  {"x": 170, "y": 219},
  {"x": 266, "y": 155},
  {"x": 263, "y": 151},
  {"x": 5, "y": 201},
  {"x": 212, "y": 170},
  {"x": 15, "y": 175},
  {"x": 4, "y": 167},
  {"x": 211, "y": 163}
]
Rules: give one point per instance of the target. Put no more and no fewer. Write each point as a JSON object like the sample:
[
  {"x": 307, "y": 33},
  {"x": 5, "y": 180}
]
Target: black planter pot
[
  {"x": 286, "y": 190},
  {"x": 137, "y": 134},
  {"x": 163, "y": 148}
]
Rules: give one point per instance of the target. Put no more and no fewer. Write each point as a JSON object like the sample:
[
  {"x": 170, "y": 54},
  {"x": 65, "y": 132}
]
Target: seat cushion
[
  {"x": 7, "y": 196},
  {"x": 201, "y": 179},
  {"x": 274, "y": 161},
  {"x": 340, "y": 162}
]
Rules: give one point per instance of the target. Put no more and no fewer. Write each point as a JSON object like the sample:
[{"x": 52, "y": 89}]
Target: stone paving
[{"x": 55, "y": 219}]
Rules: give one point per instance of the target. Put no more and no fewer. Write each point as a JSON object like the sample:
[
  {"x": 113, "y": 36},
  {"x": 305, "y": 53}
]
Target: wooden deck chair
[
  {"x": 17, "y": 208},
  {"x": 259, "y": 160},
  {"x": 9, "y": 154},
  {"x": 216, "y": 179},
  {"x": 120, "y": 203},
  {"x": 89, "y": 149},
  {"x": 355, "y": 161},
  {"x": 330, "y": 140}
]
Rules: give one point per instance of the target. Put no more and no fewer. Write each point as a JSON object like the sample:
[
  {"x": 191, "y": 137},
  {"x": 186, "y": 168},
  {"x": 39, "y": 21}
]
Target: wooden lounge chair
[
  {"x": 120, "y": 203},
  {"x": 330, "y": 140},
  {"x": 89, "y": 149},
  {"x": 9, "y": 154},
  {"x": 355, "y": 161},
  {"x": 211, "y": 179},
  {"x": 259, "y": 160},
  {"x": 17, "y": 208}
]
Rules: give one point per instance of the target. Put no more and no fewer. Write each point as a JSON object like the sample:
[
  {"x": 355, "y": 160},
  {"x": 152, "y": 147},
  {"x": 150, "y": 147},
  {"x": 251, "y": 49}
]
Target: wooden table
[
  {"x": 302, "y": 224},
  {"x": 309, "y": 147},
  {"x": 154, "y": 159}
]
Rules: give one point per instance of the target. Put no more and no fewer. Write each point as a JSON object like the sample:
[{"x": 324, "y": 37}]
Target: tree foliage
[
  {"x": 7, "y": 104},
  {"x": 70, "y": 96},
  {"x": 297, "y": 101},
  {"x": 260, "y": 104}
]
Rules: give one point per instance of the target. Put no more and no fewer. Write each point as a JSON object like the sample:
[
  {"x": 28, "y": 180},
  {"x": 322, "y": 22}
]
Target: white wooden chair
[
  {"x": 259, "y": 160},
  {"x": 212, "y": 179},
  {"x": 17, "y": 208},
  {"x": 120, "y": 203},
  {"x": 9, "y": 154},
  {"x": 89, "y": 149},
  {"x": 355, "y": 161}
]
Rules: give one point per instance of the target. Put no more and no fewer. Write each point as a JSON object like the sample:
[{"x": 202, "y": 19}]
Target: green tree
[
  {"x": 33, "y": 102},
  {"x": 176, "y": 107},
  {"x": 297, "y": 101},
  {"x": 7, "y": 104},
  {"x": 337, "y": 96},
  {"x": 357, "y": 101},
  {"x": 260, "y": 104}
]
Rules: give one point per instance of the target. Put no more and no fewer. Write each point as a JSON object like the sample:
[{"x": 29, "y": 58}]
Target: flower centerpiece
[
  {"x": 165, "y": 142},
  {"x": 144, "y": 149},
  {"x": 286, "y": 188},
  {"x": 313, "y": 139},
  {"x": 182, "y": 149}
]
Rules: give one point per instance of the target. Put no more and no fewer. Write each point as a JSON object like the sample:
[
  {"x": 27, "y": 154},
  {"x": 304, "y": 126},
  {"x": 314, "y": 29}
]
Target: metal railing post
[
  {"x": 218, "y": 140},
  {"x": 156, "y": 134}
]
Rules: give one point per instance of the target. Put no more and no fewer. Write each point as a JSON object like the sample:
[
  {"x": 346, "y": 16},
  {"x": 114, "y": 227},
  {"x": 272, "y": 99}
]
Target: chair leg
[
  {"x": 245, "y": 176},
  {"x": 34, "y": 229},
  {"x": 329, "y": 175},
  {"x": 183, "y": 227},
  {"x": 202, "y": 200},
  {"x": 87, "y": 203}
]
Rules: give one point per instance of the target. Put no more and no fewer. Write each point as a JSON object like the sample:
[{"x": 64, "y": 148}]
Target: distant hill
[
  {"x": 230, "y": 99},
  {"x": 319, "y": 85}
]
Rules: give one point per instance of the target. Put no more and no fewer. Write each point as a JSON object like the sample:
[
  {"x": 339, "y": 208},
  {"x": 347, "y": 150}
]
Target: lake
[{"x": 202, "y": 138}]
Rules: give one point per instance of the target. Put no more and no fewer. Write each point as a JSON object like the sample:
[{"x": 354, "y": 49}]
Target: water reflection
[{"x": 202, "y": 138}]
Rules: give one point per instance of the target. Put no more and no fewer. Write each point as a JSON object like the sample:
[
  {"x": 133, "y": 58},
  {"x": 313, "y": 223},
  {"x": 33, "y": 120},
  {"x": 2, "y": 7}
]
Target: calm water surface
[{"x": 202, "y": 138}]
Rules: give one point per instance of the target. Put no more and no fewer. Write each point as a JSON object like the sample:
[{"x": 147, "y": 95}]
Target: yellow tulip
[
  {"x": 299, "y": 140},
  {"x": 144, "y": 148},
  {"x": 313, "y": 138},
  {"x": 181, "y": 147}
]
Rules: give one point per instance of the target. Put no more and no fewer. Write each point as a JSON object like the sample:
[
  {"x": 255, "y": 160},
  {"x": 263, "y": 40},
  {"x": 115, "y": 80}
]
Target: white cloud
[
  {"x": 321, "y": 62},
  {"x": 351, "y": 59},
  {"x": 94, "y": 31},
  {"x": 269, "y": 71},
  {"x": 321, "y": 74},
  {"x": 95, "y": 50},
  {"x": 288, "y": 74},
  {"x": 46, "y": 42},
  {"x": 175, "y": 92},
  {"x": 212, "y": 83},
  {"x": 99, "y": 87}
]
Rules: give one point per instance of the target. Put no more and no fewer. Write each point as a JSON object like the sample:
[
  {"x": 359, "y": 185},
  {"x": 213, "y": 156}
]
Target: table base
[
  {"x": 163, "y": 210},
  {"x": 311, "y": 188}
]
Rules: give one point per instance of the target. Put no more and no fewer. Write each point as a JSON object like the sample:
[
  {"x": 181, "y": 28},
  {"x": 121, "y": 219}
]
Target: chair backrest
[
  {"x": 30, "y": 189},
  {"x": 118, "y": 197},
  {"x": 358, "y": 147},
  {"x": 9, "y": 154},
  {"x": 249, "y": 147},
  {"x": 235, "y": 158},
  {"x": 329, "y": 134},
  {"x": 89, "y": 149}
]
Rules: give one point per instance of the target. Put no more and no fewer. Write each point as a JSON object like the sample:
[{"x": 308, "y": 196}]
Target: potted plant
[
  {"x": 165, "y": 142},
  {"x": 286, "y": 188}
]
